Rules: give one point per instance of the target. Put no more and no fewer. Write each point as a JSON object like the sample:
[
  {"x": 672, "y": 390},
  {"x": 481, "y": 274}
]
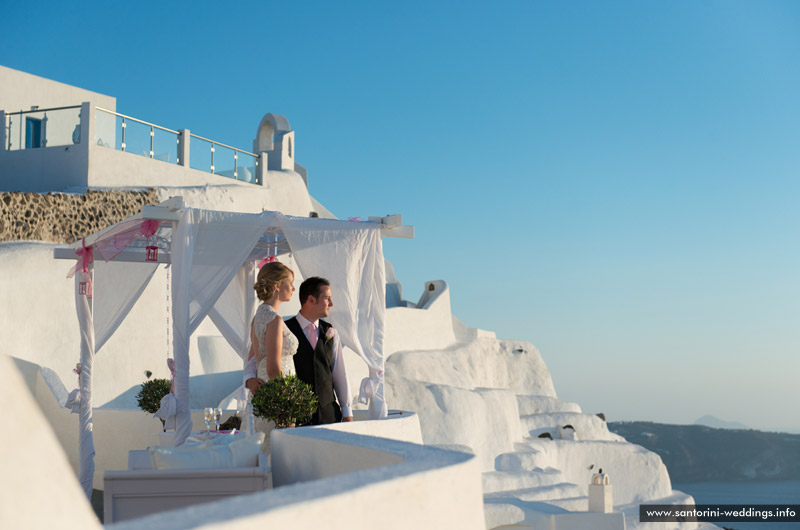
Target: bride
[{"x": 272, "y": 344}]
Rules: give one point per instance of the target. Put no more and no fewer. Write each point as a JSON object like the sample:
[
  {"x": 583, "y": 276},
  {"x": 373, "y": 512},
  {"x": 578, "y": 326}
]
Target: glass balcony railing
[
  {"x": 131, "y": 135},
  {"x": 128, "y": 134},
  {"x": 32, "y": 129},
  {"x": 221, "y": 159}
]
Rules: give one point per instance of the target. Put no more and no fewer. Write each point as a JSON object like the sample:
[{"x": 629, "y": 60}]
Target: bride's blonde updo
[{"x": 269, "y": 278}]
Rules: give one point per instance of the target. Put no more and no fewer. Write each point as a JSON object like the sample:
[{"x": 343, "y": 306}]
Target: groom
[{"x": 319, "y": 361}]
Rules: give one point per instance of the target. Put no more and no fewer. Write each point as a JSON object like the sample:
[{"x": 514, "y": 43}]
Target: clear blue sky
[{"x": 615, "y": 182}]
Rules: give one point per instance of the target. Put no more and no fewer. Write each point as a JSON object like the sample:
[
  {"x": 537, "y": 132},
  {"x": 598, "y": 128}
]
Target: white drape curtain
[
  {"x": 181, "y": 258},
  {"x": 235, "y": 308},
  {"x": 350, "y": 256},
  {"x": 117, "y": 286},
  {"x": 232, "y": 314},
  {"x": 83, "y": 305},
  {"x": 208, "y": 249}
]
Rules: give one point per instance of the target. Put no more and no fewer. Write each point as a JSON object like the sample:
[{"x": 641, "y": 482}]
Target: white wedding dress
[{"x": 264, "y": 315}]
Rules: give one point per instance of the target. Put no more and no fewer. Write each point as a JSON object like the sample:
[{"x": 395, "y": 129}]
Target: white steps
[
  {"x": 499, "y": 481},
  {"x": 549, "y": 494}
]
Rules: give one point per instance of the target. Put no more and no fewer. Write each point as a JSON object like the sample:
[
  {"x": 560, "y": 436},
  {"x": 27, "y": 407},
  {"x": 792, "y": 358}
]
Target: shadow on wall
[
  {"x": 206, "y": 391},
  {"x": 216, "y": 355}
]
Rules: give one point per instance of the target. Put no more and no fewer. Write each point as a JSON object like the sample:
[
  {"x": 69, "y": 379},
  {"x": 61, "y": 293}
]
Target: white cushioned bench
[{"x": 141, "y": 490}]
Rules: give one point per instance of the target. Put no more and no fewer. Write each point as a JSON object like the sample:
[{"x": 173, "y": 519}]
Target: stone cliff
[{"x": 64, "y": 217}]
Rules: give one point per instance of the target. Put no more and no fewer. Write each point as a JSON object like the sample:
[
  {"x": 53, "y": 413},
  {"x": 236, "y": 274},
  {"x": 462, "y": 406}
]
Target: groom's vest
[{"x": 315, "y": 367}]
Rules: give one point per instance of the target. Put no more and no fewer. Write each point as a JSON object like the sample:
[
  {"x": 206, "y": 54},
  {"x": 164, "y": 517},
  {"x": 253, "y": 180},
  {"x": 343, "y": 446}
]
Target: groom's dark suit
[{"x": 315, "y": 367}]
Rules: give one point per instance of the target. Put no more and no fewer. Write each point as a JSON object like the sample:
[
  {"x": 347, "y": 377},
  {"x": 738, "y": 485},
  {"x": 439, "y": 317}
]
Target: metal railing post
[
  {"x": 3, "y": 130},
  {"x": 43, "y": 139},
  {"x": 261, "y": 170},
  {"x": 184, "y": 141},
  {"x": 123, "y": 134},
  {"x": 87, "y": 122},
  {"x": 212, "y": 157}
]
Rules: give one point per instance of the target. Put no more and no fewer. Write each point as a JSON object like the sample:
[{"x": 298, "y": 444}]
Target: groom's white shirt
[{"x": 340, "y": 384}]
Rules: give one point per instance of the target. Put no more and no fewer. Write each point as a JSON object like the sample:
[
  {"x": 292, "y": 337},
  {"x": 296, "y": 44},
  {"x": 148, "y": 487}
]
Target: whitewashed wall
[
  {"x": 485, "y": 420},
  {"x": 21, "y": 90},
  {"x": 37, "y": 488},
  {"x": 492, "y": 363},
  {"x": 427, "y": 326},
  {"x": 636, "y": 474},
  {"x": 44, "y": 169}
]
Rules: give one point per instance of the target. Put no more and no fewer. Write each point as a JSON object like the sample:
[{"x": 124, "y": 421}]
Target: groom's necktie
[{"x": 312, "y": 335}]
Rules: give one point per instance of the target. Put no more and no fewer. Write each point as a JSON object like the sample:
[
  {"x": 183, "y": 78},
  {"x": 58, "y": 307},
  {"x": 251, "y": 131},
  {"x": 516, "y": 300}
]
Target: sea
[{"x": 749, "y": 492}]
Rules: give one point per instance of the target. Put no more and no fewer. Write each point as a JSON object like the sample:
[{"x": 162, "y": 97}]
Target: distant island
[
  {"x": 711, "y": 421},
  {"x": 697, "y": 453}
]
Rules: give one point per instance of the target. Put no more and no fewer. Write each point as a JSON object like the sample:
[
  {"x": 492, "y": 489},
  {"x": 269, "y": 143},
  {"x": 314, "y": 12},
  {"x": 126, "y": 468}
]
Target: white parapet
[
  {"x": 426, "y": 326},
  {"x": 342, "y": 481},
  {"x": 37, "y": 487}
]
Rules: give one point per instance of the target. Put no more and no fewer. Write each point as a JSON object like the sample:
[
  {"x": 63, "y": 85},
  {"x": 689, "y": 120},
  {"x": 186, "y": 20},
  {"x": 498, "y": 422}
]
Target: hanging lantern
[
  {"x": 82, "y": 287},
  {"x": 151, "y": 250}
]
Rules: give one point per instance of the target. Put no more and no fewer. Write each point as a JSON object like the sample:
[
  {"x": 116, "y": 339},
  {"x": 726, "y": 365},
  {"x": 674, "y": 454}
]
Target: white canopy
[{"x": 213, "y": 257}]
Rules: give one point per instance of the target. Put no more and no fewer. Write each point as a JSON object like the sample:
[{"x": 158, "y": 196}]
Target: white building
[{"x": 490, "y": 404}]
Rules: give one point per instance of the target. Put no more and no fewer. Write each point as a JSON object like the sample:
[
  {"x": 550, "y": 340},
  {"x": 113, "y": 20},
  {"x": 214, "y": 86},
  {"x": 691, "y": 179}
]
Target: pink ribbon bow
[
  {"x": 270, "y": 259},
  {"x": 115, "y": 240},
  {"x": 111, "y": 244},
  {"x": 149, "y": 227},
  {"x": 85, "y": 259}
]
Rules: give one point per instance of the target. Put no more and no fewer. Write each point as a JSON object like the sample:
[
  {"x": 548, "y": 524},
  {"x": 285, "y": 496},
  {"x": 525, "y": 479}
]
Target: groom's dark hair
[{"x": 311, "y": 287}]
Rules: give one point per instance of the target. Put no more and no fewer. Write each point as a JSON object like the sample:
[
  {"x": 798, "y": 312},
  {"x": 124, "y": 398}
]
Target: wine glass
[
  {"x": 217, "y": 416},
  {"x": 208, "y": 415}
]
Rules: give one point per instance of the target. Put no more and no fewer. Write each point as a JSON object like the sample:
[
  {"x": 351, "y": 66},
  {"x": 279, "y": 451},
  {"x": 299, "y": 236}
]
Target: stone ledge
[{"x": 66, "y": 218}]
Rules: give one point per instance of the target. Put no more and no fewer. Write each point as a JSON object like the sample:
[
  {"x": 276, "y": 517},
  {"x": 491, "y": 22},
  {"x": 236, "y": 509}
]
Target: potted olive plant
[
  {"x": 286, "y": 400},
  {"x": 149, "y": 396}
]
